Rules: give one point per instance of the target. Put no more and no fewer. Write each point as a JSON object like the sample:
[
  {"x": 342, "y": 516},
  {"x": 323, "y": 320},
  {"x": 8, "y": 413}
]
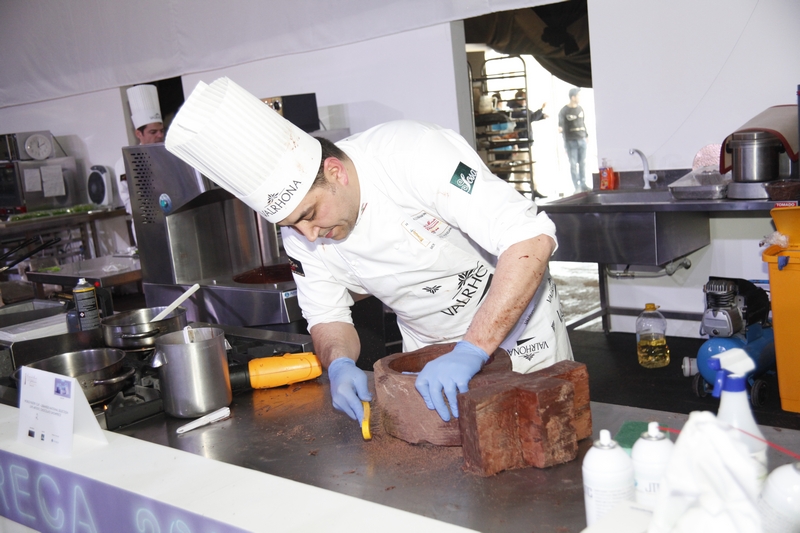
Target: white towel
[{"x": 712, "y": 484}]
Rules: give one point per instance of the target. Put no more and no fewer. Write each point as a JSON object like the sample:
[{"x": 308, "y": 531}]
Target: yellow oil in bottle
[{"x": 653, "y": 351}]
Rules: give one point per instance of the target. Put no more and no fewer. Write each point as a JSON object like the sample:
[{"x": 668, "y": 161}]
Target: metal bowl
[
  {"x": 99, "y": 371},
  {"x": 783, "y": 190}
]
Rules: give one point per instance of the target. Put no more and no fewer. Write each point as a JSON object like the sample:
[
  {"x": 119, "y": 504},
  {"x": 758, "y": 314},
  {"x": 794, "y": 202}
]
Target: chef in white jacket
[
  {"x": 149, "y": 129},
  {"x": 405, "y": 211}
]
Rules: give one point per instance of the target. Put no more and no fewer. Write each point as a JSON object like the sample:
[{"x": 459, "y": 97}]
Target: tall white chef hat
[
  {"x": 145, "y": 109},
  {"x": 243, "y": 145}
]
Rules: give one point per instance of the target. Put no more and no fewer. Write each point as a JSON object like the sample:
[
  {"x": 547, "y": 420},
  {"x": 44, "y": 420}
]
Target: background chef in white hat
[
  {"x": 149, "y": 129},
  {"x": 405, "y": 211}
]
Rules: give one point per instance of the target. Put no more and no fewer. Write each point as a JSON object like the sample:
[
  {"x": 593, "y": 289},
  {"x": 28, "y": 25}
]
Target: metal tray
[
  {"x": 700, "y": 185},
  {"x": 700, "y": 192}
]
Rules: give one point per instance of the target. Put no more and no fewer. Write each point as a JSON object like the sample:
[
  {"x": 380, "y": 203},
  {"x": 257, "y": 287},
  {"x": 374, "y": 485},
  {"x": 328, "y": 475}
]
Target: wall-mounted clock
[{"x": 39, "y": 146}]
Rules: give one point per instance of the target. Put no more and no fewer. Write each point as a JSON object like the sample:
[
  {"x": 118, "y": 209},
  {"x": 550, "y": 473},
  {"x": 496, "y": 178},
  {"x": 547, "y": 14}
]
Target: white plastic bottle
[
  {"x": 730, "y": 387},
  {"x": 651, "y": 454},
  {"x": 607, "y": 477},
  {"x": 779, "y": 504}
]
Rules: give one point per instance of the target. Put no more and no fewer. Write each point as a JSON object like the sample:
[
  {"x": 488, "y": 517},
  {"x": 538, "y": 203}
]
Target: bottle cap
[
  {"x": 653, "y": 433},
  {"x": 731, "y": 368},
  {"x": 650, "y": 307},
  {"x": 605, "y": 442}
]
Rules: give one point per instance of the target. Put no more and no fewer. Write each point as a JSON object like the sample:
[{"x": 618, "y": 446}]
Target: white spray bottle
[{"x": 730, "y": 386}]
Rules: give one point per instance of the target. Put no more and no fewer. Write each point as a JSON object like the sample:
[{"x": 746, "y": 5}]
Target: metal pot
[
  {"x": 133, "y": 329},
  {"x": 756, "y": 156},
  {"x": 193, "y": 376},
  {"x": 99, "y": 371}
]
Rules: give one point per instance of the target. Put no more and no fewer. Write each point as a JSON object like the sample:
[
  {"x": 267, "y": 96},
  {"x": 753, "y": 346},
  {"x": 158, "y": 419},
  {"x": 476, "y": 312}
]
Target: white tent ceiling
[{"x": 54, "y": 49}]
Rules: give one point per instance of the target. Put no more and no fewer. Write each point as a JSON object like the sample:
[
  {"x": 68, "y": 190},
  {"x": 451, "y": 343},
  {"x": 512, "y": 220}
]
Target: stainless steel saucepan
[{"x": 133, "y": 329}]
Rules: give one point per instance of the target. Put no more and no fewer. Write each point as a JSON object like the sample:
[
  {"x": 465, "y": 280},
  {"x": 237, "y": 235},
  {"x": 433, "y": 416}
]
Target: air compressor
[{"x": 736, "y": 316}]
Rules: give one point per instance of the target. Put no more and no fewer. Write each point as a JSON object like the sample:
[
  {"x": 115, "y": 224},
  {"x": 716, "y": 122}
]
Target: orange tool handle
[{"x": 267, "y": 372}]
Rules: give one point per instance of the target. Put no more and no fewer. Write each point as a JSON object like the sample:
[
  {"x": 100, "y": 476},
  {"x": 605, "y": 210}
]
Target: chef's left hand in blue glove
[{"x": 450, "y": 374}]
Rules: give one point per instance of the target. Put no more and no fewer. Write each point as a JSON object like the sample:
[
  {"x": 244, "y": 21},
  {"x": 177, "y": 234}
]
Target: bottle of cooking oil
[{"x": 651, "y": 341}]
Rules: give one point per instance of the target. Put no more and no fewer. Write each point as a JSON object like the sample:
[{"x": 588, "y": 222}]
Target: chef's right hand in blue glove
[
  {"x": 348, "y": 388},
  {"x": 450, "y": 374}
]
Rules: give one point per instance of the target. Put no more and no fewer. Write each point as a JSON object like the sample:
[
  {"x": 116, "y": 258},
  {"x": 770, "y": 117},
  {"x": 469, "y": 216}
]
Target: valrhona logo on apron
[{"x": 464, "y": 178}]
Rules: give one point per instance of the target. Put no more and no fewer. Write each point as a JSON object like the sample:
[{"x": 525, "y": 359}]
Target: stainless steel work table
[
  {"x": 293, "y": 432},
  {"x": 85, "y": 222},
  {"x": 106, "y": 271}
]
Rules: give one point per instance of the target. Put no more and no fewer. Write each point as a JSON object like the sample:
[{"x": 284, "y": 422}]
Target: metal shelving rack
[{"x": 502, "y": 137}]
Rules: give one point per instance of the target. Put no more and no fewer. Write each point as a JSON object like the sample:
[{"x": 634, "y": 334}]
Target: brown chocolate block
[
  {"x": 546, "y": 434},
  {"x": 403, "y": 411},
  {"x": 577, "y": 374},
  {"x": 522, "y": 421},
  {"x": 404, "y": 414},
  {"x": 489, "y": 433}
]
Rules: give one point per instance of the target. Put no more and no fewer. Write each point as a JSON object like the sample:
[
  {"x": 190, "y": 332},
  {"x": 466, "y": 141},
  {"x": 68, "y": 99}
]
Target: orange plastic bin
[{"x": 784, "y": 284}]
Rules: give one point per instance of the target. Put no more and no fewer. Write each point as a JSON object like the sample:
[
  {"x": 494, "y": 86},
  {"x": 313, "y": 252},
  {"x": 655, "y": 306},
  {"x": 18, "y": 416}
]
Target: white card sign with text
[{"x": 52, "y": 409}]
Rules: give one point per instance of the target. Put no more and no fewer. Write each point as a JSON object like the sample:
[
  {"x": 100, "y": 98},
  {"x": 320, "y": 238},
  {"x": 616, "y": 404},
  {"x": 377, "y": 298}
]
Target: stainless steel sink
[
  {"x": 630, "y": 227},
  {"x": 618, "y": 197}
]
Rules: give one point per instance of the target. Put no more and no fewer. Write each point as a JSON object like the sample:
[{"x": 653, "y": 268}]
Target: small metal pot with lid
[
  {"x": 133, "y": 329},
  {"x": 755, "y": 156}
]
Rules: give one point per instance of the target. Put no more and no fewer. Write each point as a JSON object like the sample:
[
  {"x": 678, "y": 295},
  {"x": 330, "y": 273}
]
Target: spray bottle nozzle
[{"x": 731, "y": 367}]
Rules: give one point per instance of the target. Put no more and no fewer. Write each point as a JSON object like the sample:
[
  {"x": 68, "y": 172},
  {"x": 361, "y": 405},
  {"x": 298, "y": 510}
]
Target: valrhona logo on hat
[
  {"x": 277, "y": 201},
  {"x": 244, "y": 146}
]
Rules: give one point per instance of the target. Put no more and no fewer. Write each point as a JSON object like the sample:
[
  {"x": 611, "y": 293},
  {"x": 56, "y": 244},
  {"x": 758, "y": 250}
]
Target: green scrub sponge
[{"x": 629, "y": 433}]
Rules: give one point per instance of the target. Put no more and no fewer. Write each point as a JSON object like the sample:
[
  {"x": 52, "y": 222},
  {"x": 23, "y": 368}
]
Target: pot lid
[{"x": 764, "y": 137}]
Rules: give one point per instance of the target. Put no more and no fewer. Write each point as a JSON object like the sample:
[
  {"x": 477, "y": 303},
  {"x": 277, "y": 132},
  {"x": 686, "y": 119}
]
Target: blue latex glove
[
  {"x": 450, "y": 373},
  {"x": 348, "y": 388}
]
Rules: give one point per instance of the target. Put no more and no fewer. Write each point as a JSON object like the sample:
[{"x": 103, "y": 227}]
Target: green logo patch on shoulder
[{"x": 464, "y": 178}]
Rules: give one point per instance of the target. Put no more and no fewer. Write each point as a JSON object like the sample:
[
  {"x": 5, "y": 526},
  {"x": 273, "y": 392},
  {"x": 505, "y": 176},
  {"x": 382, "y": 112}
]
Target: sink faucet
[{"x": 647, "y": 176}]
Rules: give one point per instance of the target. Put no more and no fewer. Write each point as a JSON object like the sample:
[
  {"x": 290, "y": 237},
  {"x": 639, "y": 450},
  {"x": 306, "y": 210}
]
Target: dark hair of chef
[{"x": 328, "y": 150}]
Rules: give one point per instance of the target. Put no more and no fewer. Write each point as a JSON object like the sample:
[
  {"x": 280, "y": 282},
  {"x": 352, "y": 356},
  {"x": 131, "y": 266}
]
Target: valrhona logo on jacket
[
  {"x": 464, "y": 178},
  {"x": 471, "y": 283}
]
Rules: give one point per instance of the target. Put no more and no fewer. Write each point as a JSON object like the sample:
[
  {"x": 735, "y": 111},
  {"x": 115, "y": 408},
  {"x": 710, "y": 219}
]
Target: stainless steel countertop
[
  {"x": 575, "y": 204},
  {"x": 293, "y": 432},
  {"x": 107, "y": 271},
  {"x": 38, "y": 224}
]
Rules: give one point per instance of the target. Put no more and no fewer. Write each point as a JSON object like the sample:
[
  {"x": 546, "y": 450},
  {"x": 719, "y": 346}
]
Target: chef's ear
[{"x": 335, "y": 170}]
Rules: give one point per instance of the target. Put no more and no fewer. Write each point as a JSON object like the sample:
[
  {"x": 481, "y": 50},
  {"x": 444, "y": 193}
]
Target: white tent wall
[
  {"x": 58, "y": 49},
  {"x": 670, "y": 78},
  {"x": 405, "y": 75},
  {"x": 411, "y": 75}
]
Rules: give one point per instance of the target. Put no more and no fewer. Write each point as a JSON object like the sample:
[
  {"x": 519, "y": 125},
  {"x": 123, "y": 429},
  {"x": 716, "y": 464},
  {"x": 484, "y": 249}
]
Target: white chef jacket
[{"x": 432, "y": 223}]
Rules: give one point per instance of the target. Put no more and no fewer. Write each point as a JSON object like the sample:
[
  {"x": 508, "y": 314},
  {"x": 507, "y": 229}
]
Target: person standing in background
[
  {"x": 149, "y": 126},
  {"x": 571, "y": 125},
  {"x": 519, "y": 110}
]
